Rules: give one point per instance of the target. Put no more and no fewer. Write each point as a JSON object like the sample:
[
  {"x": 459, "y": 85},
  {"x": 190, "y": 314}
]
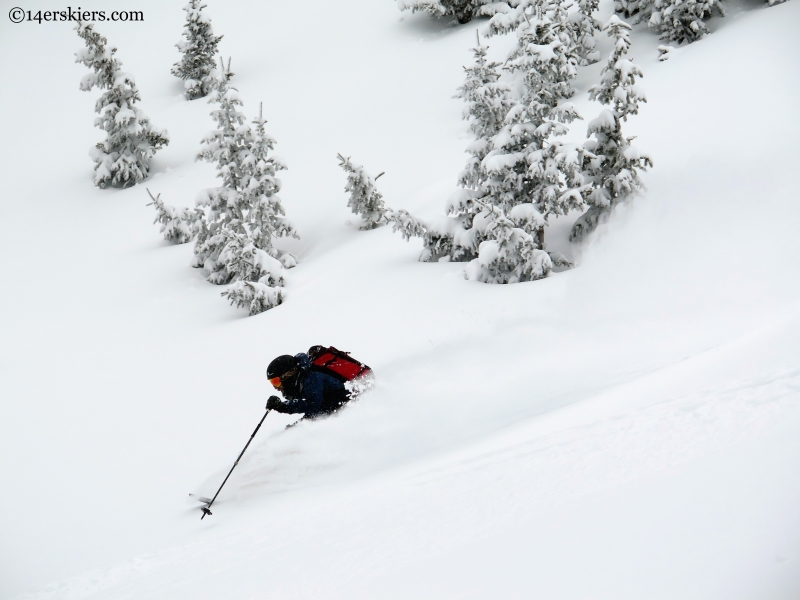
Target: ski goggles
[{"x": 276, "y": 381}]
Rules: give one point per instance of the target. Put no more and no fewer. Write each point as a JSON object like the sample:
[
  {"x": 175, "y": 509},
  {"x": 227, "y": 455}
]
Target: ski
[{"x": 202, "y": 499}]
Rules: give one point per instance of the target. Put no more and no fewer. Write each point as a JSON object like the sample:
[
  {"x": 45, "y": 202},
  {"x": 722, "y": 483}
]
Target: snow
[
  {"x": 605, "y": 120},
  {"x": 625, "y": 429},
  {"x": 527, "y": 212}
]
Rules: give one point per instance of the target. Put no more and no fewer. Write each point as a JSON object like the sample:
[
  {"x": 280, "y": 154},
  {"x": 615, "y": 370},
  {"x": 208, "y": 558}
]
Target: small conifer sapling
[
  {"x": 196, "y": 66},
  {"x": 175, "y": 222},
  {"x": 365, "y": 199}
]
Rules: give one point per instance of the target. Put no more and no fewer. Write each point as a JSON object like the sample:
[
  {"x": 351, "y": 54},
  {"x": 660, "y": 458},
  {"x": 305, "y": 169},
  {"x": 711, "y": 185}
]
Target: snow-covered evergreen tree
[
  {"x": 628, "y": 8},
  {"x": 255, "y": 296},
  {"x": 617, "y": 85},
  {"x": 509, "y": 254},
  {"x": 365, "y": 199},
  {"x": 245, "y": 262},
  {"x": 487, "y": 102},
  {"x": 237, "y": 223},
  {"x": 584, "y": 28},
  {"x": 676, "y": 20},
  {"x": 575, "y": 29},
  {"x": 266, "y": 219},
  {"x": 518, "y": 174},
  {"x": 463, "y": 10},
  {"x": 221, "y": 207},
  {"x": 175, "y": 222},
  {"x": 613, "y": 164},
  {"x": 196, "y": 66},
  {"x": 545, "y": 50},
  {"x": 123, "y": 158},
  {"x": 526, "y": 164},
  {"x": 437, "y": 235},
  {"x": 256, "y": 276},
  {"x": 223, "y": 146},
  {"x": 682, "y": 20}
]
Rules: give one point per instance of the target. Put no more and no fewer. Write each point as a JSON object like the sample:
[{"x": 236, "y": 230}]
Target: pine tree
[
  {"x": 224, "y": 145},
  {"x": 510, "y": 20},
  {"x": 256, "y": 276},
  {"x": 245, "y": 262},
  {"x": 123, "y": 158},
  {"x": 516, "y": 167},
  {"x": 266, "y": 220},
  {"x": 220, "y": 207},
  {"x": 175, "y": 222},
  {"x": 680, "y": 20},
  {"x": 509, "y": 254},
  {"x": 545, "y": 51},
  {"x": 438, "y": 236},
  {"x": 526, "y": 163},
  {"x": 677, "y": 20},
  {"x": 365, "y": 200},
  {"x": 576, "y": 29},
  {"x": 584, "y": 27},
  {"x": 196, "y": 66},
  {"x": 612, "y": 163},
  {"x": 236, "y": 224},
  {"x": 628, "y": 8},
  {"x": 487, "y": 101},
  {"x": 257, "y": 297},
  {"x": 529, "y": 175},
  {"x": 463, "y": 10}
]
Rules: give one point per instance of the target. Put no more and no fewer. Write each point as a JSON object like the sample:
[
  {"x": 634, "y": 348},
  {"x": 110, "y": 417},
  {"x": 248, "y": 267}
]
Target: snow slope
[{"x": 627, "y": 429}]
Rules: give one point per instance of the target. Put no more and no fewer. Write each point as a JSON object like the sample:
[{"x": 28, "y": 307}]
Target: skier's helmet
[{"x": 279, "y": 367}]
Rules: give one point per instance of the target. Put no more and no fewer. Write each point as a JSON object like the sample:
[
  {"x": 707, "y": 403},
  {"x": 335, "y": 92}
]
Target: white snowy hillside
[{"x": 628, "y": 428}]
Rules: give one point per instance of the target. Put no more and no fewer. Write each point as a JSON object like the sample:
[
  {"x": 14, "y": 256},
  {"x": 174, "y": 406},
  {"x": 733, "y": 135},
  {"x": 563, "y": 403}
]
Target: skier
[
  {"x": 316, "y": 383},
  {"x": 313, "y": 383}
]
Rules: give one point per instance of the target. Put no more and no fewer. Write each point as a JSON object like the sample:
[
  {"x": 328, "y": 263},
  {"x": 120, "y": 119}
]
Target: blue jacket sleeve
[{"x": 312, "y": 398}]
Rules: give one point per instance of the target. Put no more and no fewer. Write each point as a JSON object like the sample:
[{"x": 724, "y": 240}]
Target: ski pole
[{"x": 206, "y": 508}]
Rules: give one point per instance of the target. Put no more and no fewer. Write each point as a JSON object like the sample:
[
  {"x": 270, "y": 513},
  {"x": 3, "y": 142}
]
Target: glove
[{"x": 274, "y": 403}]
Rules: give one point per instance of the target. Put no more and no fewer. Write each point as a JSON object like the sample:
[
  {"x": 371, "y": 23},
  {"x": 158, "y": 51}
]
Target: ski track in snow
[
  {"x": 625, "y": 447},
  {"x": 543, "y": 470}
]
